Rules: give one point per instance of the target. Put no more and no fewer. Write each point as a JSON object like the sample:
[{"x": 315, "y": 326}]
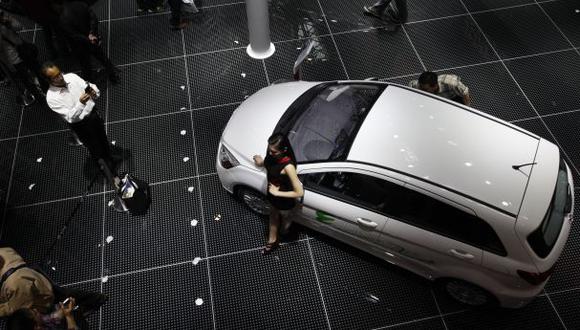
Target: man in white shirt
[{"x": 74, "y": 100}]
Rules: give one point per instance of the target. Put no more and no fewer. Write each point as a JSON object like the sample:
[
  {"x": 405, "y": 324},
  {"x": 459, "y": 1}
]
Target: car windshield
[
  {"x": 543, "y": 239},
  {"x": 326, "y": 127}
]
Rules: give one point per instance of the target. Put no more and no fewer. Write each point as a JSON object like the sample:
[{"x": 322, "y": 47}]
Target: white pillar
[{"x": 260, "y": 46}]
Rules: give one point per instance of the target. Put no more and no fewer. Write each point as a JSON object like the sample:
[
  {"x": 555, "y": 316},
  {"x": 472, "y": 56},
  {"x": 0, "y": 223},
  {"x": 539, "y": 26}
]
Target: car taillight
[{"x": 535, "y": 278}]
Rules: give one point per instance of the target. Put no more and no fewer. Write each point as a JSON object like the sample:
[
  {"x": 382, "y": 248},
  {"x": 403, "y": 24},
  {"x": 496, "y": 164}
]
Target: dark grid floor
[{"x": 193, "y": 262}]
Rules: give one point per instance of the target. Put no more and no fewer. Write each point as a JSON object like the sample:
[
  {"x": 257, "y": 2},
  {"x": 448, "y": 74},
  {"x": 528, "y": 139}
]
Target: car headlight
[{"x": 227, "y": 160}]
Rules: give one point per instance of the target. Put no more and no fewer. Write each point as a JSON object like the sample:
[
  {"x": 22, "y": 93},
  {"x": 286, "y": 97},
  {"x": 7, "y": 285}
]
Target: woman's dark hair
[
  {"x": 22, "y": 319},
  {"x": 428, "y": 78},
  {"x": 282, "y": 144}
]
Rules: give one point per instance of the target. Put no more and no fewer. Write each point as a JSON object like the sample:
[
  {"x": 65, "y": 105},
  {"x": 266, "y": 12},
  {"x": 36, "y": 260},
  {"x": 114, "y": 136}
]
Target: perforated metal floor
[{"x": 193, "y": 262}]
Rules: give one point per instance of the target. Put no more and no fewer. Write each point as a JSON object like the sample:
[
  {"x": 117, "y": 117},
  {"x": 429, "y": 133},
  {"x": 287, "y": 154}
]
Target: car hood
[{"x": 249, "y": 127}]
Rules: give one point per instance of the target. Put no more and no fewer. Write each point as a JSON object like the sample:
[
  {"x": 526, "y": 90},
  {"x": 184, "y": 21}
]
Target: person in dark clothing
[
  {"x": 18, "y": 60},
  {"x": 176, "y": 21},
  {"x": 80, "y": 26},
  {"x": 397, "y": 16},
  {"x": 283, "y": 185},
  {"x": 42, "y": 13}
]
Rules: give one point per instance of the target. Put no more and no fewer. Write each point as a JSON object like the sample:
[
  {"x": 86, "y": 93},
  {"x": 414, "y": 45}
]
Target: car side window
[
  {"x": 406, "y": 205},
  {"x": 433, "y": 215},
  {"x": 362, "y": 190}
]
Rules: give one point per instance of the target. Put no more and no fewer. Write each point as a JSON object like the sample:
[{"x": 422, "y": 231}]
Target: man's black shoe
[
  {"x": 371, "y": 11},
  {"x": 94, "y": 306}
]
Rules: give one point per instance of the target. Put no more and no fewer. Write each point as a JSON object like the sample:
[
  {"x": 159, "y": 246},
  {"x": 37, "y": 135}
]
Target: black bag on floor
[{"x": 135, "y": 194}]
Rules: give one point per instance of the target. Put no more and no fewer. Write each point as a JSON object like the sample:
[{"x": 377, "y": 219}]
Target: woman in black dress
[{"x": 283, "y": 184}]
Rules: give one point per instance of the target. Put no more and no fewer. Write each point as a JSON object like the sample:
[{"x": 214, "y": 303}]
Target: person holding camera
[
  {"x": 73, "y": 99},
  {"x": 23, "y": 287},
  {"x": 61, "y": 318}
]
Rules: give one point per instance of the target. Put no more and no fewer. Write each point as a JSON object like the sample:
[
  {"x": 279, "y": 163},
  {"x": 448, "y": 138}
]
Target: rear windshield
[
  {"x": 543, "y": 239},
  {"x": 324, "y": 128}
]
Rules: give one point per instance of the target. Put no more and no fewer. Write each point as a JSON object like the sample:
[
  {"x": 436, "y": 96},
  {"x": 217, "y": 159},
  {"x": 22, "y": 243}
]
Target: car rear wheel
[
  {"x": 467, "y": 293},
  {"x": 254, "y": 200}
]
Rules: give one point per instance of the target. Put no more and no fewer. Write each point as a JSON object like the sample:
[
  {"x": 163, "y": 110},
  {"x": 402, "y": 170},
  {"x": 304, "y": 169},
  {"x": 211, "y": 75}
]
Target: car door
[
  {"x": 431, "y": 236},
  {"x": 343, "y": 204}
]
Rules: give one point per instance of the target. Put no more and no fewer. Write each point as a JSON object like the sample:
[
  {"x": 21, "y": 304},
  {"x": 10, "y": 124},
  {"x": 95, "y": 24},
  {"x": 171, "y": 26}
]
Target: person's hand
[
  {"x": 84, "y": 98},
  {"x": 93, "y": 39},
  {"x": 273, "y": 189},
  {"x": 68, "y": 308},
  {"x": 93, "y": 94},
  {"x": 258, "y": 160}
]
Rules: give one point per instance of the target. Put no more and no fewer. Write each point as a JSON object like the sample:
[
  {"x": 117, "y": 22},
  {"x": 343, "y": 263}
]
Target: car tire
[
  {"x": 467, "y": 293},
  {"x": 254, "y": 200}
]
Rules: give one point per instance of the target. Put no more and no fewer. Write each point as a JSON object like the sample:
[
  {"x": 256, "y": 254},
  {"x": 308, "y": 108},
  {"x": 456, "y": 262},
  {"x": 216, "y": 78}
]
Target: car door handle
[
  {"x": 461, "y": 254},
  {"x": 366, "y": 223}
]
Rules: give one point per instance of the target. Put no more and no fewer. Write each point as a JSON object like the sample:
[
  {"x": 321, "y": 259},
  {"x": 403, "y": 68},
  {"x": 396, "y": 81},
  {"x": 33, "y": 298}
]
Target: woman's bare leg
[{"x": 274, "y": 225}]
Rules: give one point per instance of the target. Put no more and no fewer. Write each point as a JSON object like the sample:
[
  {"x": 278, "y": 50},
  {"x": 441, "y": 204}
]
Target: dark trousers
[
  {"x": 175, "y": 6},
  {"x": 149, "y": 4},
  {"x": 83, "y": 52},
  {"x": 399, "y": 15},
  {"x": 91, "y": 132}
]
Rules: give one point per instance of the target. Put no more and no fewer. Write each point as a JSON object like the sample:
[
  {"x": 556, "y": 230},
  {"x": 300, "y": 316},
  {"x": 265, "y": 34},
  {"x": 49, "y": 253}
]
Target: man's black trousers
[{"x": 91, "y": 132}]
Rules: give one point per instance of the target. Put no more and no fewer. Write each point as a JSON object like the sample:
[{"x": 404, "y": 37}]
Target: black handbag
[{"x": 136, "y": 195}]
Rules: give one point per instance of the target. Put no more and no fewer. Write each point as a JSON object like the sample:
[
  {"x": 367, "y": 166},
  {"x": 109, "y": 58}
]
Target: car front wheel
[
  {"x": 254, "y": 200},
  {"x": 467, "y": 293}
]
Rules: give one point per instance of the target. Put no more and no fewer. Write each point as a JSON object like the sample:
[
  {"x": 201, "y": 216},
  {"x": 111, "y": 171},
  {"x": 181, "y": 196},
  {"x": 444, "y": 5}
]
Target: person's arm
[
  {"x": 67, "y": 309},
  {"x": 97, "y": 92},
  {"x": 259, "y": 161},
  {"x": 462, "y": 90},
  {"x": 297, "y": 190},
  {"x": 466, "y": 99},
  {"x": 6, "y": 309},
  {"x": 15, "y": 300},
  {"x": 81, "y": 106}
]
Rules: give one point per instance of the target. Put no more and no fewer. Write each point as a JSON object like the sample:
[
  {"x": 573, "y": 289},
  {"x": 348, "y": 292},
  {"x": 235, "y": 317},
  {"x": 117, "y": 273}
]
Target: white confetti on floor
[
  {"x": 190, "y": 189},
  {"x": 196, "y": 260},
  {"x": 185, "y": 159},
  {"x": 198, "y": 301},
  {"x": 39, "y": 159},
  {"x": 105, "y": 279},
  {"x": 193, "y": 223},
  {"x": 109, "y": 239},
  {"x": 31, "y": 186},
  {"x": 183, "y": 132}
]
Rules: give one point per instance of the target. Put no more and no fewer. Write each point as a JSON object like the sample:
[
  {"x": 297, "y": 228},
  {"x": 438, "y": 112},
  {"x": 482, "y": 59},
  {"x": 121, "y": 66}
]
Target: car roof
[{"x": 455, "y": 147}]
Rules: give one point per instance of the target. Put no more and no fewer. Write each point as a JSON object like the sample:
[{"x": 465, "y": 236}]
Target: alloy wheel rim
[
  {"x": 256, "y": 203},
  {"x": 466, "y": 294}
]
